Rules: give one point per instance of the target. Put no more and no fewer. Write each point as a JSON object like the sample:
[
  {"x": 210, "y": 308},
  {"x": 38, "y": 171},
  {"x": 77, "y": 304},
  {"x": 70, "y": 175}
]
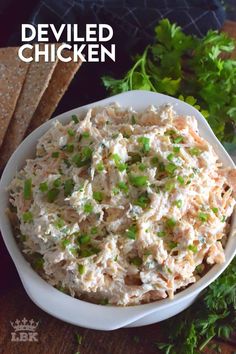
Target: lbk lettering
[{"x": 24, "y": 337}]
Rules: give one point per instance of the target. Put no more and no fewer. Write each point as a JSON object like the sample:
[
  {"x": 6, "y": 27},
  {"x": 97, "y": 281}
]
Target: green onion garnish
[
  {"x": 69, "y": 148},
  {"x": 170, "y": 222},
  {"x": 65, "y": 243},
  {"x": 145, "y": 142},
  {"x": 68, "y": 187},
  {"x": 193, "y": 248},
  {"x": 203, "y": 216},
  {"x": 137, "y": 261},
  {"x": 57, "y": 182},
  {"x": 85, "y": 135},
  {"x": 138, "y": 181},
  {"x": 52, "y": 194},
  {"x": 59, "y": 223},
  {"x": 133, "y": 120},
  {"x": 94, "y": 230},
  {"x": 100, "y": 167},
  {"x": 98, "y": 196},
  {"x": 55, "y": 154},
  {"x": 178, "y": 140},
  {"x": 121, "y": 166},
  {"x": 180, "y": 179},
  {"x": 172, "y": 244},
  {"x": 176, "y": 149},
  {"x": 27, "y": 217},
  {"x": 131, "y": 232},
  {"x": 75, "y": 119},
  {"x": 178, "y": 203},
  {"x": 154, "y": 161},
  {"x": 161, "y": 233},
  {"x": 142, "y": 201},
  {"x": 81, "y": 269},
  {"x": 88, "y": 208},
  {"x": 71, "y": 132},
  {"x": 104, "y": 302},
  {"x": 170, "y": 168},
  {"x": 169, "y": 186},
  {"x": 123, "y": 187},
  {"x": 84, "y": 239},
  {"x": 170, "y": 157},
  {"x": 27, "y": 189},
  {"x": 43, "y": 187},
  {"x": 195, "y": 151},
  {"x": 215, "y": 210}
]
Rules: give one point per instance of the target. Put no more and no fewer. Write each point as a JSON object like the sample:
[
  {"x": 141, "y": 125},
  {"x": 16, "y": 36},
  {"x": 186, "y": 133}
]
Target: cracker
[
  {"x": 35, "y": 84},
  {"x": 61, "y": 78},
  {"x": 12, "y": 75}
]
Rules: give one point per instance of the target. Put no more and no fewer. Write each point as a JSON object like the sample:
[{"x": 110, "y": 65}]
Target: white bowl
[{"x": 83, "y": 313}]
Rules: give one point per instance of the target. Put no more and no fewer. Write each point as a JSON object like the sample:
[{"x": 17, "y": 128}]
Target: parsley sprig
[{"x": 192, "y": 69}]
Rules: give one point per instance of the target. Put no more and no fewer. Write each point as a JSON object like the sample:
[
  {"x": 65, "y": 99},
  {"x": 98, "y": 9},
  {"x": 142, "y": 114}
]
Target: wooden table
[{"x": 57, "y": 337}]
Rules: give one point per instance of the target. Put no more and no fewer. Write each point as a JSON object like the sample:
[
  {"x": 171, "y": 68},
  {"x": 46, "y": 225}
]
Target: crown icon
[{"x": 24, "y": 325}]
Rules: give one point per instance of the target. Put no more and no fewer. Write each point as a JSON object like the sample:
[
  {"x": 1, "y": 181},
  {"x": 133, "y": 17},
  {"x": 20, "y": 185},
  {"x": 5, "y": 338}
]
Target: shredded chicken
[{"x": 123, "y": 207}]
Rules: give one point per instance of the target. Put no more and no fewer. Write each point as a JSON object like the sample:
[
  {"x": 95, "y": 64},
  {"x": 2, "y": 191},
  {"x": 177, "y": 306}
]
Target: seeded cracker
[
  {"x": 12, "y": 75},
  {"x": 36, "y": 82},
  {"x": 61, "y": 78}
]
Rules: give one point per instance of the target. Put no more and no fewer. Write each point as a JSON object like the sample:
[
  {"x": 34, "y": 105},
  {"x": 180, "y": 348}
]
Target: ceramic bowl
[{"x": 83, "y": 313}]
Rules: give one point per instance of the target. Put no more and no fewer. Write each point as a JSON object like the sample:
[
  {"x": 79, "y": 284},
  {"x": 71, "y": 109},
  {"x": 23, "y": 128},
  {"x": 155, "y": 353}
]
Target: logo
[{"x": 24, "y": 331}]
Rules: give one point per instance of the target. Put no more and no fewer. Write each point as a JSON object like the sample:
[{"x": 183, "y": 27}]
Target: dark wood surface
[{"x": 58, "y": 337}]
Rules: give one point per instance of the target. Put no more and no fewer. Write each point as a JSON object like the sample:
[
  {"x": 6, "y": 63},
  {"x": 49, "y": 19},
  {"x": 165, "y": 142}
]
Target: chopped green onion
[
  {"x": 68, "y": 187},
  {"x": 87, "y": 252},
  {"x": 170, "y": 222},
  {"x": 27, "y": 189},
  {"x": 138, "y": 181},
  {"x": 131, "y": 232},
  {"x": 104, "y": 302},
  {"x": 200, "y": 268},
  {"x": 176, "y": 149},
  {"x": 133, "y": 120},
  {"x": 65, "y": 243},
  {"x": 115, "y": 191},
  {"x": 55, "y": 154},
  {"x": 84, "y": 239},
  {"x": 161, "y": 233},
  {"x": 145, "y": 142},
  {"x": 85, "y": 135},
  {"x": 142, "y": 201},
  {"x": 215, "y": 210},
  {"x": 71, "y": 132},
  {"x": 43, "y": 187},
  {"x": 69, "y": 148},
  {"x": 81, "y": 269},
  {"x": 57, "y": 182},
  {"x": 83, "y": 158},
  {"x": 169, "y": 186},
  {"x": 193, "y": 248},
  {"x": 223, "y": 218},
  {"x": 98, "y": 196},
  {"x": 59, "y": 223},
  {"x": 88, "y": 208},
  {"x": 172, "y": 244},
  {"x": 203, "y": 216},
  {"x": 170, "y": 157},
  {"x": 142, "y": 166},
  {"x": 170, "y": 168},
  {"x": 67, "y": 163},
  {"x": 120, "y": 165},
  {"x": 27, "y": 217},
  {"x": 38, "y": 262},
  {"x": 154, "y": 161},
  {"x": 52, "y": 194},
  {"x": 178, "y": 140},
  {"x": 123, "y": 187},
  {"x": 195, "y": 151},
  {"x": 180, "y": 179},
  {"x": 94, "y": 230},
  {"x": 137, "y": 261},
  {"x": 100, "y": 167},
  {"x": 75, "y": 119},
  {"x": 178, "y": 203}
]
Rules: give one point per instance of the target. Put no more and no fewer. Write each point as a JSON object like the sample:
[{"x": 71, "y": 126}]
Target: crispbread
[
  {"x": 12, "y": 75},
  {"x": 60, "y": 80},
  {"x": 35, "y": 84}
]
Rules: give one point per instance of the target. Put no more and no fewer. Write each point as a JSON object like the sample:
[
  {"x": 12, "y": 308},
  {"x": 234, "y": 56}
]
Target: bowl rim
[{"x": 131, "y": 313}]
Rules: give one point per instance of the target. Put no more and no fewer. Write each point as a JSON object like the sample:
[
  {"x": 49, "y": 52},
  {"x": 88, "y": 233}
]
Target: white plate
[{"x": 79, "y": 312}]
